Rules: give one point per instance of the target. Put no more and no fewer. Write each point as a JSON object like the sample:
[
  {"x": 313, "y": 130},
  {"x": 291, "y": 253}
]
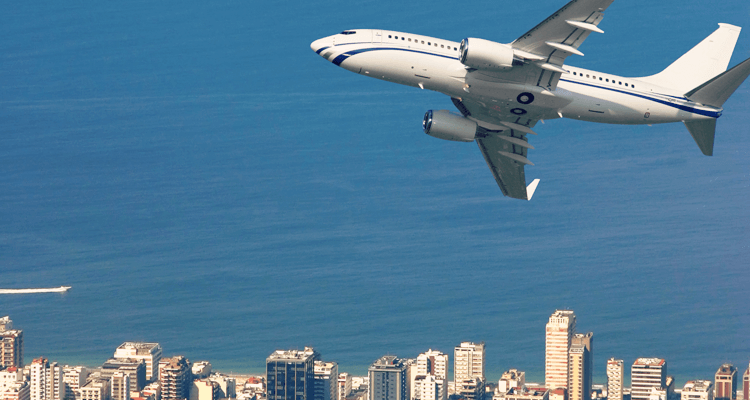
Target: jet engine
[
  {"x": 443, "y": 124},
  {"x": 484, "y": 54}
]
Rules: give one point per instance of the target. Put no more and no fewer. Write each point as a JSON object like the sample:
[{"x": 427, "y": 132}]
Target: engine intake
[
  {"x": 445, "y": 125},
  {"x": 485, "y": 55}
]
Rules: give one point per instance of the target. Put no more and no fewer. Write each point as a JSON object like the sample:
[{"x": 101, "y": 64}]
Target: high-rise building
[
  {"x": 73, "y": 379},
  {"x": 698, "y": 390},
  {"x": 388, "y": 379},
  {"x": 433, "y": 362},
  {"x": 746, "y": 384},
  {"x": 150, "y": 353},
  {"x": 119, "y": 384},
  {"x": 558, "y": 338},
  {"x": 175, "y": 378},
  {"x": 94, "y": 389},
  {"x": 725, "y": 382},
  {"x": 11, "y": 344},
  {"x": 290, "y": 375},
  {"x": 46, "y": 380},
  {"x": 326, "y": 380},
  {"x": 615, "y": 374},
  {"x": 647, "y": 373},
  {"x": 345, "y": 385},
  {"x": 580, "y": 365},
  {"x": 468, "y": 361},
  {"x": 134, "y": 368},
  {"x": 430, "y": 372}
]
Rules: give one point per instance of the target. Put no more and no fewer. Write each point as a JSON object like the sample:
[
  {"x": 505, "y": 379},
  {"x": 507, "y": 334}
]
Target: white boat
[{"x": 61, "y": 289}]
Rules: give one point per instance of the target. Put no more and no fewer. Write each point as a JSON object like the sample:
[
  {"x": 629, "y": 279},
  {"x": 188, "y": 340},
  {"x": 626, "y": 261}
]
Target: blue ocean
[{"x": 203, "y": 180}]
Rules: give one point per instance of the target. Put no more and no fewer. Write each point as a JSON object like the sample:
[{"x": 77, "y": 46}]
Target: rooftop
[
  {"x": 650, "y": 362},
  {"x": 139, "y": 347},
  {"x": 697, "y": 386},
  {"x": 291, "y": 354}
]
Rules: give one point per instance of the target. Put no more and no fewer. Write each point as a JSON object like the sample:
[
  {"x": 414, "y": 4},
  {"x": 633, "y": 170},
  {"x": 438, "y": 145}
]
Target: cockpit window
[{"x": 348, "y": 32}]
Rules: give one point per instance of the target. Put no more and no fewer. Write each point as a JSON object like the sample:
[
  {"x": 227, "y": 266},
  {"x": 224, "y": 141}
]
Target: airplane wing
[
  {"x": 504, "y": 146},
  {"x": 548, "y": 44}
]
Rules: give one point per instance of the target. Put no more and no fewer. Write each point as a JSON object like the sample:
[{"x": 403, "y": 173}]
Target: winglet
[{"x": 531, "y": 188}]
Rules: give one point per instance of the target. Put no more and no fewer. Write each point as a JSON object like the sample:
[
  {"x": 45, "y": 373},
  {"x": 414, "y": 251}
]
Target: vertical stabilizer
[
  {"x": 703, "y": 134},
  {"x": 703, "y": 62}
]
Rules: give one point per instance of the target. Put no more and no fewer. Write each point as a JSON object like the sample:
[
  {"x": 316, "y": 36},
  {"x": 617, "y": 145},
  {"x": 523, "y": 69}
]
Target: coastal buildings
[
  {"x": 468, "y": 361},
  {"x": 134, "y": 368},
  {"x": 746, "y": 384},
  {"x": 647, "y": 373},
  {"x": 326, "y": 380},
  {"x": 468, "y": 370},
  {"x": 73, "y": 379},
  {"x": 526, "y": 393},
  {"x": 345, "y": 385},
  {"x": 94, "y": 389},
  {"x": 510, "y": 379},
  {"x": 698, "y": 390},
  {"x": 615, "y": 373},
  {"x": 388, "y": 379},
  {"x": 46, "y": 380},
  {"x": 430, "y": 376},
  {"x": 11, "y": 344},
  {"x": 150, "y": 353},
  {"x": 290, "y": 375},
  {"x": 119, "y": 384},
  {"x": 558, "y": 337},
  {"x": 725, "y": 382},
  {"x": 12, "y": 385},
  {"x": 580, "y": 366},
  {"x": 175, "y": 378}
]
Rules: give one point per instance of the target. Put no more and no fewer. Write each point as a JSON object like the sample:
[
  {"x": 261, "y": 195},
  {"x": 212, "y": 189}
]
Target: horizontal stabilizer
[
  {"x": 703, "y": 134},
  {"x": 717, "y": 90},
  {"x": 531, "y": 188}
]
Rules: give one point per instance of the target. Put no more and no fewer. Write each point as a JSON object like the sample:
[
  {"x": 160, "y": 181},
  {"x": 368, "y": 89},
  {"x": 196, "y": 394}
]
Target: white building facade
[
  {"x": 698, "y": 390},
  {"x": 150, "y": 353},
  {"x": 645, "y": 374},
  {"x": 615, "y": 372},
  {"x": 558, "y": 336}
]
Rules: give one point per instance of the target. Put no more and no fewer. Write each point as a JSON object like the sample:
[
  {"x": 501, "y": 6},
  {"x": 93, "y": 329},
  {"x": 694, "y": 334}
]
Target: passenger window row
[
  {"x": 603, "y": 79},
  {"x": 442, "y": 46}
]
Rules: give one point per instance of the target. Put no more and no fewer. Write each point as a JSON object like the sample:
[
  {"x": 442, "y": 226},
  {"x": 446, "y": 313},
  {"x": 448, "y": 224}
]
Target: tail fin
[
  {"x": 714, "y": 93},
  {"x": 703, "y": 133},
  {"x": 703, "y": 62}
]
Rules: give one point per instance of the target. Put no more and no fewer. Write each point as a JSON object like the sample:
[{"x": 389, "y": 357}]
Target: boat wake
[{"x": 61, "y": 289}]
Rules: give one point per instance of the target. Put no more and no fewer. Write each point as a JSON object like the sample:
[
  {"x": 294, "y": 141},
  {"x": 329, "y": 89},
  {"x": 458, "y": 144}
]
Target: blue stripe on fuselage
[
  {"x": 341, "y": 57},
  {"x": 713, "y": 114}
]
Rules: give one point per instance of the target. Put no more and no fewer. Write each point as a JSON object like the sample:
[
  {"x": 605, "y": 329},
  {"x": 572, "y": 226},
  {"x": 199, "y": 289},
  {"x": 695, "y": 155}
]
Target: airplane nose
[
  {"x": 316, "y": 45},
  {"x": 320, "y": 45}
]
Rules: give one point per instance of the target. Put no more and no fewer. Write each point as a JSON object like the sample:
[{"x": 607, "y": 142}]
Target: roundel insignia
[
  {"x": 646, "y": 115},
  {"x": 525, "y": 98},
  {"x": 518, "y": 111}
]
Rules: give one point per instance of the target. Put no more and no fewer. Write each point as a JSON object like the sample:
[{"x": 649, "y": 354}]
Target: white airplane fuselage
[{"x": 433, "y": 64}]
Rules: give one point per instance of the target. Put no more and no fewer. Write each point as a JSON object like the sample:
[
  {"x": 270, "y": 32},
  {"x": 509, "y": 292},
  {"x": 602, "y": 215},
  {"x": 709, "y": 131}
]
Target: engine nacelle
[
  {"x": 443, "y": 124},
  {"x": 484, "y": 54}
]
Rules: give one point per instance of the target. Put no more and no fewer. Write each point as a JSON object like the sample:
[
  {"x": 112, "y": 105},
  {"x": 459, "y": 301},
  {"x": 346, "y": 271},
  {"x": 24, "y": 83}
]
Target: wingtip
[{"x": 531, "y": 189}]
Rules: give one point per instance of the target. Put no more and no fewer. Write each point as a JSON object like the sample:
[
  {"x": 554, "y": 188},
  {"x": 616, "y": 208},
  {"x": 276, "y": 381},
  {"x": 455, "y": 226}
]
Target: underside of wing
[
  {"x": 504, "y": 146},
  {"x": 559, "y": 36}
]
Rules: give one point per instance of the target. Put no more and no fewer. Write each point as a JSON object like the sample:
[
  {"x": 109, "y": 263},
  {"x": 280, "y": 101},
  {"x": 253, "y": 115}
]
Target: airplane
[{"x": 502, "y": 90}]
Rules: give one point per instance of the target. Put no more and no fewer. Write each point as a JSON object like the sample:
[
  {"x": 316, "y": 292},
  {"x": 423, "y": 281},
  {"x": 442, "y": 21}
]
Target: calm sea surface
[{"x": 205, "y": 181}]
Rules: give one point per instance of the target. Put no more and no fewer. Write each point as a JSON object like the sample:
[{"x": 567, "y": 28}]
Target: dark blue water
[{"x": 203, "y": 180}]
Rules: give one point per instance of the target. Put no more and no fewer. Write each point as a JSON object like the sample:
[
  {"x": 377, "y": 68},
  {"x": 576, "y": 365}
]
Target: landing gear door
[{"x": 377, "y": 36}]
